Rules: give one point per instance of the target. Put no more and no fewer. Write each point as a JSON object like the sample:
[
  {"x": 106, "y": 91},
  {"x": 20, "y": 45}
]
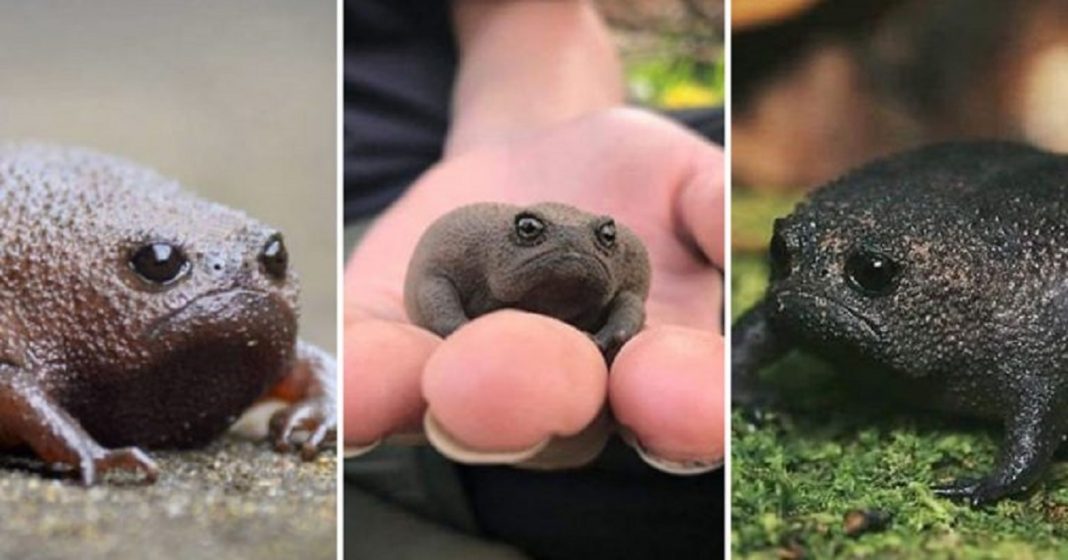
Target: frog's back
[
  {"x": 58, "y": 186},
  {"x": 948, "y": 174},
  {"x": 1015, "y": 189},
  {"x": 59, "y": 206}
]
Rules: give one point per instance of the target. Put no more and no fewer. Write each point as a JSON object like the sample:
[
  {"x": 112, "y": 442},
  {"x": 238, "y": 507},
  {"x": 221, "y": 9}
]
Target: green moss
[
  {"x": 796, "y": 473},
  {"x": 752, "y": 215}
]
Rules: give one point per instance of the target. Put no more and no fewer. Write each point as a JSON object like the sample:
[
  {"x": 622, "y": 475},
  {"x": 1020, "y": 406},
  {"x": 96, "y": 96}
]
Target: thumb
[{"x": 699, "y": 205}]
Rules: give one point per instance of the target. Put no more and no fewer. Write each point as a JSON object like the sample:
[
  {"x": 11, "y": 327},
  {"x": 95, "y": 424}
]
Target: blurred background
[
  {"x": 819, "y": 87},
  {"x": 672, "y": 50},
  {"x": 235, "y": 99}
]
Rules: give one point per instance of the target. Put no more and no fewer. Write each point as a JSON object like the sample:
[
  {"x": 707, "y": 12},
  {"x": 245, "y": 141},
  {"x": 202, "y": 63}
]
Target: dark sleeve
[{"x": 400, "y": 61}]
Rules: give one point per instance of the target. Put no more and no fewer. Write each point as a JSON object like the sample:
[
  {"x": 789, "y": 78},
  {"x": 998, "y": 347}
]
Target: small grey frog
[{"x": 548, "y": 258}]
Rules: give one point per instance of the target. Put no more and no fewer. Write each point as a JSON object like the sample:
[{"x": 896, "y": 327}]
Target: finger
[
  {"x": 700, "y": 204},
  {"x": 510, "y": 380},
  {"x": 666, "y": 387},
  {"x": 383, "y": 365}
]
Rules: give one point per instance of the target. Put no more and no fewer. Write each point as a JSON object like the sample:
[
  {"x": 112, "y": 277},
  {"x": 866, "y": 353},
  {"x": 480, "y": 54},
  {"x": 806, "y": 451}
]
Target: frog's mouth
[
  {"x": 826, "y": 314},
  {"x": 202, "y": 366},
  {"x": 219, "y": 303},
  {"x": 561, "y": 283},
  {"x": 559, "y": 258}
]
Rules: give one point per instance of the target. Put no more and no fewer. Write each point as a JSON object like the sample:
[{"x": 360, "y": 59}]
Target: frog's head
[
  {"x": 177, "y": 312},
  {"x": 857, "y": 273},
  {"x": 558, "y": 259}
]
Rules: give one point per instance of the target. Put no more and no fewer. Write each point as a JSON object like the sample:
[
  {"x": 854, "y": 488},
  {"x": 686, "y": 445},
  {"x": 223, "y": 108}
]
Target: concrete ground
[{"x": 235, "y": 499}]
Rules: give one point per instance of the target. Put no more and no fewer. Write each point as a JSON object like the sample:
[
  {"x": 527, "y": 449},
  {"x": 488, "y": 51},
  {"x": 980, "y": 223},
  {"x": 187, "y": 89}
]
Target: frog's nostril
[
  {"x": 274, "y": 258},
  {"x": 215, "y": 263}
]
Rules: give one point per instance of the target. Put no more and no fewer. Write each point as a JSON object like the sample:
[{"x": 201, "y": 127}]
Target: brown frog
[{"x": 134, "y": 314}]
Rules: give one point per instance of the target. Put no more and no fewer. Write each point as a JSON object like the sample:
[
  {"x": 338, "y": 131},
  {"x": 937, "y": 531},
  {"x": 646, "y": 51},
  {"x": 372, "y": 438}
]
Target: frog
[
  {"x": 940, "y": 276},
  {"x": 549, "y": 258},
  {"x": 136, "y": 315}
]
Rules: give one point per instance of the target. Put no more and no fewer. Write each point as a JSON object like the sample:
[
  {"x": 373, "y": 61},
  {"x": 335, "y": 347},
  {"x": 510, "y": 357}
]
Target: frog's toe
[
  {"x": 602, "y": 342},
  {"x": 87, "y": 470},
  {"x": 322, "y": 435},
  {"x": 609, "y": 343},
  {"x": 975, "y": 492},
  {"x": 127, "y": 459},
  {"x": 960, "y": 488}
]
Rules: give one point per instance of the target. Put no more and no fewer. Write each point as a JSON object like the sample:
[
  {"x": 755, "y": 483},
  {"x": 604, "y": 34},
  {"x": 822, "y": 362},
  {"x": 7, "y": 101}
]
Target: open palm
[{"x": 510, "y": 382}]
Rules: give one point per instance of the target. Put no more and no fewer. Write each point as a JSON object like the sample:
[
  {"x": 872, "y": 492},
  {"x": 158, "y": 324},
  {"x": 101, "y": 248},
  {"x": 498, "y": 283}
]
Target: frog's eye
[
  {"x": 528, "y": 227},
  {"x": 779, "y": 258},
  {"x": 871, "y": 273},
  {"x": 274, "y": 257},
  {"x": 606, "y": 234},
  {"x": 159, "y": 263}
]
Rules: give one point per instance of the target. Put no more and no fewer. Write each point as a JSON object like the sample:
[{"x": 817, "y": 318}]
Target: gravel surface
[{"x": 235, "y": 499}]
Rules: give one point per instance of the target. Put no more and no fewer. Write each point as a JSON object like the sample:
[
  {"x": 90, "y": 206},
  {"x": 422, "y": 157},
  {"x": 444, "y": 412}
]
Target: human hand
[{"x": 510, "y": 382}]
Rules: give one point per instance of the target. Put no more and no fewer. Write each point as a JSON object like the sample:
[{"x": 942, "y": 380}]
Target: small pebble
[{"x": 859, "y": 521}]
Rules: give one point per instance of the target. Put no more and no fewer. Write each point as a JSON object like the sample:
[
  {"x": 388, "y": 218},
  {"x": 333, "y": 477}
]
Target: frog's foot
[
  {"x": 759, "y": 412},
  {"x": 101, "y": 461},
  {"x": 29, "y": 416},
  {"x": 609, "y": 343},
  {"x": 975, "y": 492},
  {"x": 749, "y": 394},
  {"x": 756, "y": 401},
  {"x": 317, "y": 417},
  {"x": 754, "y": 345},
  {"x": 1032, "y": 434},
  {"x": 667, "y": 394},
  {"x": 511, "y": 385},
  {"x": 1033, "y": 431}
]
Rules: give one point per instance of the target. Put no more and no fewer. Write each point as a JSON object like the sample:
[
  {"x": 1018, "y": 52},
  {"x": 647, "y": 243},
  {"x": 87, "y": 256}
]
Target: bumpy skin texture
[
  {"x": 94, "y": 355},
  {"x": 975, "y": 319},
  {"x": 474, "y": 260}
]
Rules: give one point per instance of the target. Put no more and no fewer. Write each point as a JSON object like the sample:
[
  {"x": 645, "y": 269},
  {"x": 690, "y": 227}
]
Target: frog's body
[
  {"x": 945, "y": 270},
  {"x": 547, "y": 258},
  {"x": 94, "y": 352}
]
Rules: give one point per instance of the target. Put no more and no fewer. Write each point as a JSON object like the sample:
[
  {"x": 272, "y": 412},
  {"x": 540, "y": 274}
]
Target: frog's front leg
[
  {"x": 310, "y": 387},
  {"x": 439, "y": 306},
  {"x": 626, "y": 315},
  {"x": 30, "y": 417},
  {"x": 1033, "y": 431},
  {"x": 754, "y": 345}
]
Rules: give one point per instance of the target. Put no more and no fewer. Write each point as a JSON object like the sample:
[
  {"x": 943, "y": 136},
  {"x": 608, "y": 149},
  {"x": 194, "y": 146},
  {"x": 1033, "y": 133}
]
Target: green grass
[
  {"x": 797, "y": 473},
  {"x": 672, "y": 81},
  {"x": 676, "y": 82}
]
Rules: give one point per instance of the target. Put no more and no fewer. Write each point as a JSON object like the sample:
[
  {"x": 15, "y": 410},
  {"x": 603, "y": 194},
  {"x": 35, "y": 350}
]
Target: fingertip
[
  {"x": 508, "y": 380},
  {"x": 383, "y": 366},
  {"x": 666, "y": 386}
]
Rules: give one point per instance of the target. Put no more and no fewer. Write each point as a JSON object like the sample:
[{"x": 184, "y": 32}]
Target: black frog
[{"x": 943, "y": 272}]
